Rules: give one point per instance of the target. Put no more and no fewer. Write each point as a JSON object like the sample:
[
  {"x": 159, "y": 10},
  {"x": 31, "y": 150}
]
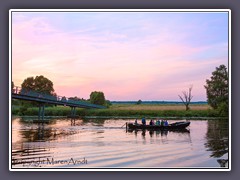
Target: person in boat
[
  {"x": 158, "y": 122},
  {"x": 151, "y": 123},
  {"x": 166, "y": 123},
  {"x": 135, "y": 122},
  {"x": 143, "y": 121},
  {"x": 162, "y": 122}
]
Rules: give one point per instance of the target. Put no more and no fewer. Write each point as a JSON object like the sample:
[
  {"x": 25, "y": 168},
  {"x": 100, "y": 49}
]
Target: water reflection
[
  {"x": 217, "y": 140},
  {"x": 106, "y": 143},
  {"x": 157, "y": 132},
  {"x": 95, "y": 122},
  {"x": 26, "y": 151},
  {"x": 161, "y": 133},
  {"x": 29, "y": 156},
  {"x": 76, "y": 122},
  {"x": 39, "y": 133}
]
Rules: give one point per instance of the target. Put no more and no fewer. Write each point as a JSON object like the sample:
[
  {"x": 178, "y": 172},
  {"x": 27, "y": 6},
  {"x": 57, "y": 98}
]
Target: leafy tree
[
  {"x": 187, "y": 97},
  {"x": 217, "y": 90},
  {"x": 107, "y": 103},
  {"x": 39, "y": 84},
  {"x": 139, "y": 102},
  {"x": 64, "y": 99},
  {"x": 97, "y": 98},
  {"x": 75, "y": 98},
  {"x": 15, "y": 102},
  {"x": 54, "y": 96}
]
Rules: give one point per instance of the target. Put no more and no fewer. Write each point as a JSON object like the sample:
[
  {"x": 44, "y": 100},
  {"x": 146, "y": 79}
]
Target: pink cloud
[{"x": 79, "y": 63}]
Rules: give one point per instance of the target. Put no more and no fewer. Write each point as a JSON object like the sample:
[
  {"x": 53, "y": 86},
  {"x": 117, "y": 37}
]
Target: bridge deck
[{"x": 27, "y": 95}]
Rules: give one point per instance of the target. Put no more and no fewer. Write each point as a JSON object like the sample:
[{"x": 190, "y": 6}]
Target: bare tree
[{"x": 187, "y": 97}]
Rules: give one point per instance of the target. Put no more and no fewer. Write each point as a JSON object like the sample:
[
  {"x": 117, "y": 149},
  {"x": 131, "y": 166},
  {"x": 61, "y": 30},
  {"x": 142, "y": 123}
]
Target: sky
[{"x": 127, "y": 55}]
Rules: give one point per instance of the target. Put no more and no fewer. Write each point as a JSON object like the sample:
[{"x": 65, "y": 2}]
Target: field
[
  {"x": 127, "y": 111},
  {"x": 158, "y": 107}
]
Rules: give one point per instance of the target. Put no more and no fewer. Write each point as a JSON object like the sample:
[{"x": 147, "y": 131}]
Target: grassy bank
[
  {"x": 130, "y": 110},
  {"x": 158, "y": 107}
]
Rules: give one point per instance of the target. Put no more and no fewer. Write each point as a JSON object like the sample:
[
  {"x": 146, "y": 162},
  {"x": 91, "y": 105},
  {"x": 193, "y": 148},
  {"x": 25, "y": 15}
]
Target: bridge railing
[{"x": 62, "y": 99}]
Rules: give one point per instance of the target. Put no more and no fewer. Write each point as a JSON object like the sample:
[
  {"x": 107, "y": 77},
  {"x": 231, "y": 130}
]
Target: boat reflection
[
  {"x": 157, "y": 132},
  {"x": 160, "y": 137}
]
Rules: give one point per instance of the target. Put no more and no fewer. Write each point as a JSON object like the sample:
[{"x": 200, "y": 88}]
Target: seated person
[
  {"x": 151, "y": 122},
  {"x": 162, "y": 123},
  {"x": 166, "y": 123},
  {"x": 135, "y": 122},
  {"x": 143, "y": 121}
]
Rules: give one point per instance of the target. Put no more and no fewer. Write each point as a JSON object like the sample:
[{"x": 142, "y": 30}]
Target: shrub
[
  {"x": 223, "y": 109},
  {"x": 23, "y": 110}
]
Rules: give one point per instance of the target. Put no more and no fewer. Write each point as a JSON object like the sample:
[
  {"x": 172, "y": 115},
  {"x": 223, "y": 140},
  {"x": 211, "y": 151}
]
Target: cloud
[{"x": 126, "y": 60}]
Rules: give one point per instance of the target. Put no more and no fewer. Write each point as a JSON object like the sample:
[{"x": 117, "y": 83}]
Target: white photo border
[{"x": 118, "y": 10}]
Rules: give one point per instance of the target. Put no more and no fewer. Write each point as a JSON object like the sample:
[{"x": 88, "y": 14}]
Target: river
[{"x": 66, "y": 143}]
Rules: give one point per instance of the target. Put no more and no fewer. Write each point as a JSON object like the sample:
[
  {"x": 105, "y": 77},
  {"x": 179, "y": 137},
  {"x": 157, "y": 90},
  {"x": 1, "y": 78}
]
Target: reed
[{"x": 125, "y": 110}]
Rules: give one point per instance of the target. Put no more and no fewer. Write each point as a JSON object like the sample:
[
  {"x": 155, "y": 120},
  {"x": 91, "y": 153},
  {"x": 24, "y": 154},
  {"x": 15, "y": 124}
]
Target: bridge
[{"x": 42, "y": 99}]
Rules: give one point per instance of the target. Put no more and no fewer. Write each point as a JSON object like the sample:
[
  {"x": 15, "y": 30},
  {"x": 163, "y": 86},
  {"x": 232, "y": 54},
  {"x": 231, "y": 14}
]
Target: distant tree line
[{"x": 156, "y": 102}]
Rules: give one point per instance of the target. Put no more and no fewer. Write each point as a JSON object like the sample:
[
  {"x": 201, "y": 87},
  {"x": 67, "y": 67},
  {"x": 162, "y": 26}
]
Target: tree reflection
[
  {"x": 44, "y": 132},
  {"x": 217, "y": 139},
  {"x": 40, "y": 134},
  {"x": 96, "y": 122}
]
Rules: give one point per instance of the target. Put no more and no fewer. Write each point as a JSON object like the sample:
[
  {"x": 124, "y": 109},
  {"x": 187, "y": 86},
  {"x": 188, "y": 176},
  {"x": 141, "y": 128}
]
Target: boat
[
  {"x": 172, "y": 126},
  {"x": 161, "y": 131}
]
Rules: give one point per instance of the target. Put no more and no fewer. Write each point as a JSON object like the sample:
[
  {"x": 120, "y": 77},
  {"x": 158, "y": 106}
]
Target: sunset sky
[{"x": 126, "y": 55}]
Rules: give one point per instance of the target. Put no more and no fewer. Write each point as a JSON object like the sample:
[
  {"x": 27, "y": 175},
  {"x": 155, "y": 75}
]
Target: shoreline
[
  {"x": 127, "y": 112},
  {"x": 126, "y": 117}
]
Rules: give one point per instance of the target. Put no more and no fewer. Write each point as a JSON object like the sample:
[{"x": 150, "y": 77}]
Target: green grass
[{"x": 125, "y": 111}]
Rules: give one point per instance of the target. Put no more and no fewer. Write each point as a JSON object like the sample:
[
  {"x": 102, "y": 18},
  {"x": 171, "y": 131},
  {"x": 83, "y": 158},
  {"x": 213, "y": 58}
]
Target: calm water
[{"x": 103, "y": 143}]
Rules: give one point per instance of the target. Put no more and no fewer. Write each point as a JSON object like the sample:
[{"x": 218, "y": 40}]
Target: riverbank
[{"x": 127, "y": 111}]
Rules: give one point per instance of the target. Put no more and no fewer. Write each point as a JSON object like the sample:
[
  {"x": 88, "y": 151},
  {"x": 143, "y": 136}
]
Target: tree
[
  {"x": 217, "y": 89},
  {"x": 187, "y": 97},
  {"x": 64, "y": 99},
  {"x": 139, "y": 102},
  {"x": 74, "y": 98},
  {"x": 97, "y": 98},
  {"x": 39, "y": 84},
  {"x": 107, "y": 103}
]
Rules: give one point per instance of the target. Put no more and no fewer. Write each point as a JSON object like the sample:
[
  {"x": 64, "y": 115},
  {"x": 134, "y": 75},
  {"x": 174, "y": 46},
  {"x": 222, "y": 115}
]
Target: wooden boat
[
  {"x": 161, "y": 131},
  {"x": 172, "y": 126}
]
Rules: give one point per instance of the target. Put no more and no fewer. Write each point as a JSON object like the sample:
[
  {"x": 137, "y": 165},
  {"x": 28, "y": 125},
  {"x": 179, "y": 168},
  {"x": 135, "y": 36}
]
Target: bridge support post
[
  {"x": 71, "y": 111},
  {"x": 74, "y": 111},
  {"x": 41, "y": 112}
]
